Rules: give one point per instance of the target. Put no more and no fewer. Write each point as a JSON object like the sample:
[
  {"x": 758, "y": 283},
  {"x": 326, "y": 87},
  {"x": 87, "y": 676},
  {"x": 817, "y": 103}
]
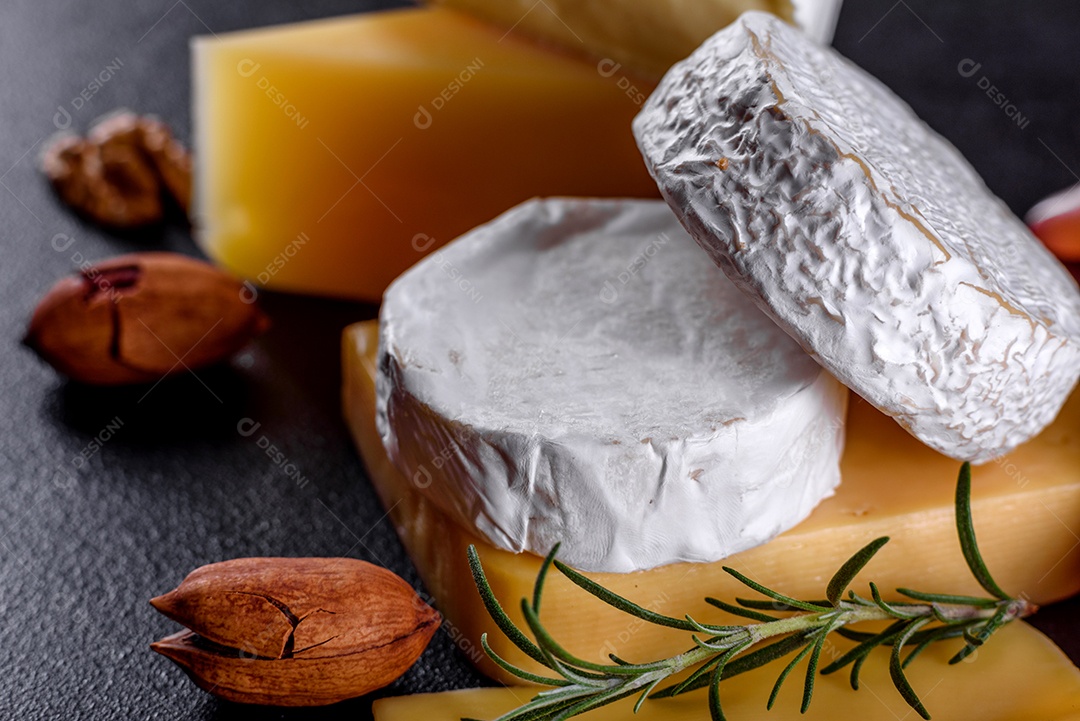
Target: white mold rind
[
  {"x": 579, "y": 372},
  {"x": 866, "y": 236}
]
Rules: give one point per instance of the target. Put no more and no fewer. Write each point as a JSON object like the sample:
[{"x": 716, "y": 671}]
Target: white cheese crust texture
[
  {"x": 866, "y": 236},
  {"x": 578, "y": 371}
]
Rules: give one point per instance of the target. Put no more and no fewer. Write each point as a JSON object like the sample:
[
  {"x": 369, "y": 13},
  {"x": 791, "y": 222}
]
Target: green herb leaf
[
  {"x": 866, "y": 646},
  {"x": 855, "y": 669},
  {"x": 716, "y": 713},
  {"x": 894, "y": 610},
  {"x": 556, "y": 652},
  {"x": 624, "y": 605},
  {"x": 747, "y": 662},
  {"x": 965, "y": 528},
  {"x": 541, "y": 576},
  {"x": 896, "y": 671},
  {"x": 602, "y": 699},
  {"x": 767, "y": 654},
  {"x": 843, "y": 578},
  {"x": 496, "y": 612},
  {"x": 765, "y": 591},
  {"x": 774, "y": 606},
  {"x": 784, "y": 674},
  {"x": 812, "y": 667},
  {"x": 645, "y": 694},
  {"x": 738, "y": 611},
  {"x": 923, "y": 643},
  {"x": 698, "y": 679},
  {"x": 948, "y": 599},
  {"x": 515, "y": 671}
]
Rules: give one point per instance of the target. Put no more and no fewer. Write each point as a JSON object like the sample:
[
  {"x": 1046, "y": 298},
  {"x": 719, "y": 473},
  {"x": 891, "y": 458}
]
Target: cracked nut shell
[
  {"x": 295, "y": 631},
  {"x": 137, "y": 318},
  {"x": 114, "y": 185},
  {"x": 117, "y": 174}
]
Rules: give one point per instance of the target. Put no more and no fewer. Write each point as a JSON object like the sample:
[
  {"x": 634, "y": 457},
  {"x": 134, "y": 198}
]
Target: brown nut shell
[
  {"x": 115, "y": 176},
  {"x": 295, "y": 631},
  {"x": 170, "y": 158},
  {"x": 112, "y": 183},
  {"x": 137, "y": 318}
]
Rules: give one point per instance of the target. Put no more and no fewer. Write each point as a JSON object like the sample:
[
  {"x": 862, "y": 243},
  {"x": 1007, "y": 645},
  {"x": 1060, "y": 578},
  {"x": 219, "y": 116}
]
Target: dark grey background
[{"x": 82, "y": 549}]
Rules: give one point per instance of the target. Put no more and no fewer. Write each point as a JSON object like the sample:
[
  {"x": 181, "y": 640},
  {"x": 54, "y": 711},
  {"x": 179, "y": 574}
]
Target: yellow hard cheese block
[
  {"x": 648, "y": 36},
  {"x": 1019, "y": 675},
  {"x": 332, "y": 155},
  {"x": 1026, "y": 509}
]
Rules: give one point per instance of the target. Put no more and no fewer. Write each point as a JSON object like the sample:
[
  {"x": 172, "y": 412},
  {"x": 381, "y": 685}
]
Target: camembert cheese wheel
[
  {"x": 866, "y": 236},
  {"x": 578, "y": 371}
]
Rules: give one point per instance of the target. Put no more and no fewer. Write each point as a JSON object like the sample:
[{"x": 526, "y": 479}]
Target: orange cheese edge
[{"x": 1026, "y": 509}]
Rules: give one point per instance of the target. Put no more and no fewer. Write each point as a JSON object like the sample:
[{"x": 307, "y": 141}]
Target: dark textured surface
[{"x": 84, "y": 544}]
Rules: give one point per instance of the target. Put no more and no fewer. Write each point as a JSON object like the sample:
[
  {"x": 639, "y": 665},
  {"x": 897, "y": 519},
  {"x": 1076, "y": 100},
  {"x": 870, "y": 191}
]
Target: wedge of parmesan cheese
[
  {"x": 866, "y": 236},
  {"x": 577, "y": 371}
]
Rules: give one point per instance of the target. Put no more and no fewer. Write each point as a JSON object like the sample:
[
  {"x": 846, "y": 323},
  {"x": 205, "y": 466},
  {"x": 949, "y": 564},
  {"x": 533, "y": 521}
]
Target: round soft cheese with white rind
[
  {"x": 578, "y": 371},
  {"x": 866, "y": 236}
]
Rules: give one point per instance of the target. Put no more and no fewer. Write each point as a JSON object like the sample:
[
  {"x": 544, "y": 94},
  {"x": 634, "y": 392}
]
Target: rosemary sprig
[{"x": 791, "y": 626}]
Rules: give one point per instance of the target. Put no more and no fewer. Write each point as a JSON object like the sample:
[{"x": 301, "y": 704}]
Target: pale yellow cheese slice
[
  {"x": 1019, "y": 675},
  {"x": 1026, "y": 509}
]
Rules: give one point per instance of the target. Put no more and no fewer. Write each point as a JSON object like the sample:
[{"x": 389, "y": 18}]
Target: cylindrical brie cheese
[{"x": 579, "y": 371}]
